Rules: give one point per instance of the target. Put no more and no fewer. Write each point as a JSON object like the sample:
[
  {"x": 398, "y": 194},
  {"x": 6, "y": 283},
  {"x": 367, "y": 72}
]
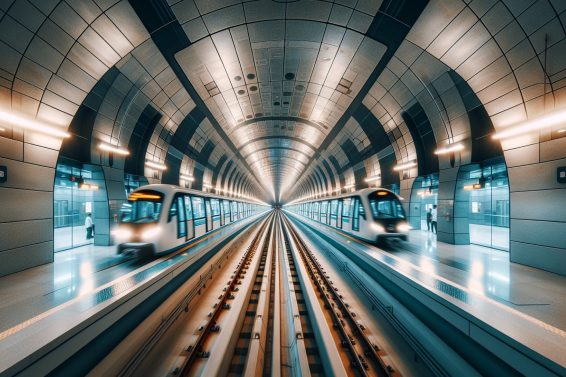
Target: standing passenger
[
  {"x": 428, "y": 219},
  {"x": 434, "y": 219},
  {"x": 89, "y": 225}
]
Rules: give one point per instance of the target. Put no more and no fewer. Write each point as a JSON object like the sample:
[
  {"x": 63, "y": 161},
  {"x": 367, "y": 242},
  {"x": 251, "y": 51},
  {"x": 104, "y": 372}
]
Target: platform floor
[
  {"x": 74, "y": 272},
  {"x": 489, "y": 272}
]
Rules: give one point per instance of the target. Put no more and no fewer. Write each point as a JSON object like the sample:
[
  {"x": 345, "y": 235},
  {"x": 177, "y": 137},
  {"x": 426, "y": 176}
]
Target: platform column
[{"x": 453, "y": 203}]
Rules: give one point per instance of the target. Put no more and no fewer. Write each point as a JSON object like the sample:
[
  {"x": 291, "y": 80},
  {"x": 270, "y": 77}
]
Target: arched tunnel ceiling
[
  {"x": 280, "y": 82},
  {"x": 299, "y": 97}
]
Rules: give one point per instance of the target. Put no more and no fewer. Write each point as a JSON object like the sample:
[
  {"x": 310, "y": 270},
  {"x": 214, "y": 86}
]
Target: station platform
[
  {"x": 45, "y": 306},
  {"x": 511, "y": 308}
]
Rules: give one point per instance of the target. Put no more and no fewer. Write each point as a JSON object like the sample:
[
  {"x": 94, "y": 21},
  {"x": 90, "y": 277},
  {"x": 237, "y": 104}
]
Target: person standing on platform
[
  {"x": 428, "y": 219},
  {"x": 89, "y": 225},
  {"x": 434, "y": 219}
]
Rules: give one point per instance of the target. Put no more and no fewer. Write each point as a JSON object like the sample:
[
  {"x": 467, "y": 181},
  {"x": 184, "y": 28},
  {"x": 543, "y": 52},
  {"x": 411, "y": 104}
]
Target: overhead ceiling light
[
  {"x": 373, "y": 179},
  {"x": 347, "y": 187},
  {"x": 2, "y": 129},
  {"x": 88, "y": 186},
  {"x": 206, "y": 185},
  {"x": 475, "y": 186},
  {"x": 31, "y": 124},
  {"x": 561, "y": 131},
  {"x": 540, "y": 123},
  {"x": 450, "y": 148},
  {"x": 156, "y": 165},
  {"x": 187, "y": 178},
  {"x": 406, "y": 165},
  {"x": 113, "y": 149}
]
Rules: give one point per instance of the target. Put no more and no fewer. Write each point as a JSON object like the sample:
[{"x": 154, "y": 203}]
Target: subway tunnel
[{"x": 383, "y": 180}]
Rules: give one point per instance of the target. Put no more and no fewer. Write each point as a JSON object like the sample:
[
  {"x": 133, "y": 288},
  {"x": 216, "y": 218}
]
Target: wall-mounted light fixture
[
  {"x": 406, "y": 165},
  {"x": 31, "y": 124},
  {"x": 114, "y": 149},
  {"x": 450, "y": 148},
  {"x": 187, "y": 178},
  {"x": 373, "y": 179},
  {"x": 540, "y": 123},
  {"x": 156, "y": 165},
  {"x": 347, "y": 187}
]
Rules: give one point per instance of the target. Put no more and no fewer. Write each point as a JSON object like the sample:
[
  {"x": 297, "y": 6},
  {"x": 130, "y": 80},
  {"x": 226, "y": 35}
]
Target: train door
[
  {"x": 234, "y": 210},
  {"x": 221, "y": 208},
  {"x": 333, "y": 213},
  {"x": 181, "y": 218},
  {"x": 323, "y": 212},
  {"x": 209, "y": 222},
  {"x": 215, "y": 208},
  {"x": 199, "y": 215},
  {"x": 346, "y": 214},
  {"x": 226, "y": 214},
  {"x": 339, "y": 214},
  {"x": 189, "y": 217},
  {"x": 356, "y": 214}
]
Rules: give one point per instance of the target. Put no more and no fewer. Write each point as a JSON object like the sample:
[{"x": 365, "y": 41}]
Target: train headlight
[
  {"x": 403, "y": 227},
  {"x": 122, "y": 234},
  {"x": 378, "y": 228},
  {"x": 150, "y": 233}
]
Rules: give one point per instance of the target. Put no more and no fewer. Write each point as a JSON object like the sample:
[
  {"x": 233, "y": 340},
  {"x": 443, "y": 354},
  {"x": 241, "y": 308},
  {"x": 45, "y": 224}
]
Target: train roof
[
  {"x": 362, "y": 192},
  {"x": 172, "y": 189}
]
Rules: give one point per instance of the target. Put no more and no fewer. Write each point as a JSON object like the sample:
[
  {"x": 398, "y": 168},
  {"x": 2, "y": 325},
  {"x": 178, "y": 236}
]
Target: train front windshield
[
  {"x": 385, "y": 205},
  {"x": 142, "y": 207}
]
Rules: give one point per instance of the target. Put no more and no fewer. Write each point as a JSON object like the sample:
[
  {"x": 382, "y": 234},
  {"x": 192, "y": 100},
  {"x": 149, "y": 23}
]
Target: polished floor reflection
[{"x": 489, "y": 272}]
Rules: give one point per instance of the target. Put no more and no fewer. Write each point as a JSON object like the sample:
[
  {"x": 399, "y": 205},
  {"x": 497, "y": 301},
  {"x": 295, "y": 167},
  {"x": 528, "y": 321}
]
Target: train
[
  {"x": 158, "y": 219},
  {"x": 372, "y": 215}
]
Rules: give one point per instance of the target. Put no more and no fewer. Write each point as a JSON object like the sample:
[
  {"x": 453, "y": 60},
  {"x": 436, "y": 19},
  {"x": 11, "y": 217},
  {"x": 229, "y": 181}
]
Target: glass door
[{"x": 489, "y": 206}]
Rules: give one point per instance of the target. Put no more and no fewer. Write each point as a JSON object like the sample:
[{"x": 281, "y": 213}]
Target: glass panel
[
  {"x": 198, "y": 207},
  {"x": 181, "y": 225}
]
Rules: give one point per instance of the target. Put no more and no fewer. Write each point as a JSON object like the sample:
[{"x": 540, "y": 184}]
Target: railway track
[
  {"x": 365, "y": 356},
  {"x": 197, "y": 349}
]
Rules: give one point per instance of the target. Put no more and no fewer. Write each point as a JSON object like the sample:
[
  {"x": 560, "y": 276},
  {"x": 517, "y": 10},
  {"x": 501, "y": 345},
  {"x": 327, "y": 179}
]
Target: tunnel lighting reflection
[
  {"x": 206, "y": 185},
  {"x": 156, "y": 165},
  {"x": 373, "y": 179},
  {"x": 475, "y": 186},
  {"x": 404, "y": 166},
  {"x": 113, "y": 148},
  {"x": 561, "y": 131},
  {"x": 540, "y": 123},
  {"x": 450, "y": 148},
  {"x": 187, "y": 177},
  {"x": 31, "y": 124},
  {"x": 2, "y": 129},
  {"x": 347, "y": 187}
]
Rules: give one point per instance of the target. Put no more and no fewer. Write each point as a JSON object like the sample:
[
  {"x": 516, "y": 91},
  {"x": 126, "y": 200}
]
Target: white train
[
  {"x": 372, "y": 215},
  {"x": 159, "y": 219}
]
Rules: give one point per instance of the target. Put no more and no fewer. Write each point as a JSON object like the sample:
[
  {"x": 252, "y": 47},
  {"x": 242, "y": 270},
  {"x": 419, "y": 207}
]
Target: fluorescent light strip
[
  {"x": 404, "y": 166},
  {"x": 30, "y": 124},
  {"x": 540, "y": 123},
  {"x": 206, "y": 185},
  {"x": 114, "y": 149},
  {"x": 373, "y": 179},
  {"x": 156, "y": 165},
  {"x": 450, "y": 148},
  {"x": 187, "y": 178},
  {"x": 347, "y": 187}
]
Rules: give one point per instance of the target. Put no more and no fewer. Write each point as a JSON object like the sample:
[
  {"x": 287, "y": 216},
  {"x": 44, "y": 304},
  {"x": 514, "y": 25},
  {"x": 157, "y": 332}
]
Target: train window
[
  {"x": 142, "y": 207},
  {"x": 181, "y": 224},
  {"x": 198, "y": 207},
  {"x": 385, "y": 206},
  {"x": 188, "y": 207},
  {"x": 346, "y": 207},
  {"x": 334, "y": 208},
  {"x": 226, "y": 205},
  {"x": 215, "y": 206}
]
